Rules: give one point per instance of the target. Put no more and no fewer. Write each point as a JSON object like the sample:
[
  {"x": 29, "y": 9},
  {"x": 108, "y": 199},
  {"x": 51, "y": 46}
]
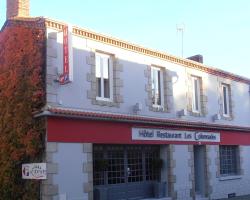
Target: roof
[
  {"x": 146, "y": 51},
  {"x": 49, "y": 23},
  {"x": 116, "y": 117}
]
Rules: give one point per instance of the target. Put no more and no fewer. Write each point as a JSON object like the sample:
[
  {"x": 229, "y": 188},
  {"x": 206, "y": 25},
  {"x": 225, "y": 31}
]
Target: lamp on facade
[
  {"x": 216, "y": 117},
  {"x": 182, "y": 113},
  {"x": 137, "y": 107}
]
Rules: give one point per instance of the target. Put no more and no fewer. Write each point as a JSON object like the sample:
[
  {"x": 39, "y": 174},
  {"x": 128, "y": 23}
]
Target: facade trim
[
  {"x": 149, "y": 52},
  {"x": 70, "y": 113},
  {"x": 101, "y": 131}
]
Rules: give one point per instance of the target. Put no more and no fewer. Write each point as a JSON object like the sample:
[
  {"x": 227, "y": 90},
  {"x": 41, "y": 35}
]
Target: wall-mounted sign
[
  {"x": 34, "y": 171},
  {"x": 174, "y": 135},
  {"x": 67, "y": 75}
]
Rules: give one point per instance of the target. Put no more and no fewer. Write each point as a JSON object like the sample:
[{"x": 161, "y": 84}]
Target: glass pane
[
  {"x": 153, "y": 86},
  {"x": 99, "y": 87},
  {"x": 156, "y": 86},
  {"x": 116, "y": 166},
  {"x": 196, "y": 90},
  {"x": 228, "y": 160},
  {"x": 225, "y": 100},
  {"x": 152, "y": 155},
  {"x": 106, "y": 88},
  {"x": 99, "y": 172},
  {"x": 196, "y": 94},
  {"x": 159, "y": 88},
  {"x": 134, "y": 168}
]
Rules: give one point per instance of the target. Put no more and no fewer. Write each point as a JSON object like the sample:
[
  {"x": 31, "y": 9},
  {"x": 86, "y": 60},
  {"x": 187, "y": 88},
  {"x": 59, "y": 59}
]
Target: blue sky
[{"x": 219, "y": 30}]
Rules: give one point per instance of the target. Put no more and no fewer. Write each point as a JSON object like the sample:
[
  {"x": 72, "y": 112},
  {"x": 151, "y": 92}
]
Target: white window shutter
[
  {"x": 98, "y": 66},
  {"x": 105, "y": 67}
]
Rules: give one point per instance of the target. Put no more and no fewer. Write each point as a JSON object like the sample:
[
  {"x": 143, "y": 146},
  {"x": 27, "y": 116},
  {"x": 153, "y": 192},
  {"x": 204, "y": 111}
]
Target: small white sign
[
  {"x": 174, "y": 135},
  {"x": 34, "y": 171}
]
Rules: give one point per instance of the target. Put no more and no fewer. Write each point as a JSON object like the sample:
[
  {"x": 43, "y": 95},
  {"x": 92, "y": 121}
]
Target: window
[
  {"x": 225, "y": 96},
  {"x": 196, "y": 102},
  {"x": 104, "y": 75},
  {"x": 116, "y": 164},
  {"x": 229, "y": 157},
  {"x": 157, "y": 86}
]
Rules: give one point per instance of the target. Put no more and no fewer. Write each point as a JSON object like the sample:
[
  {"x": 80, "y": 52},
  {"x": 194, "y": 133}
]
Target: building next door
[
  {"x": 124, "y": 172},
  {"x": 200, "y": 170}
]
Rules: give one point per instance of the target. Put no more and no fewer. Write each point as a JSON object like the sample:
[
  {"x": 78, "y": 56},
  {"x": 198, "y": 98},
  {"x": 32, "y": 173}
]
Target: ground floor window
[
  {"x": 117, "y": 164},
  {"x": 229, "y": 160}
]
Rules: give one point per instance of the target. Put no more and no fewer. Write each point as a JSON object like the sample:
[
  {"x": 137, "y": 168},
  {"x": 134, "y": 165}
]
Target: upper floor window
[
  {"x": 196, "y": 93},
  {"x": 157, "y": 86},
  {"x": 226, "y": 102},
  {"x": 229, "y": 160},
  {"x": 104, "y": 76}
]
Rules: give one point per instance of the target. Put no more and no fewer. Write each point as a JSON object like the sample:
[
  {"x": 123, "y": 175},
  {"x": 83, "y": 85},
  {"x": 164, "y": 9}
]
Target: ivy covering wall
[{"x": 22, "y": 53}]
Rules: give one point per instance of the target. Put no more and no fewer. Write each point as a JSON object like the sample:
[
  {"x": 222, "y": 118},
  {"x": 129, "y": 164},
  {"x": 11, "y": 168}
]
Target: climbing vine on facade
[{"x": 22, "y": 53}]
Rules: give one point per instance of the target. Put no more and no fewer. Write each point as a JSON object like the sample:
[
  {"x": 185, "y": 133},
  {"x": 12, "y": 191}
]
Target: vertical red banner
[{"x": 64, "y": 78}]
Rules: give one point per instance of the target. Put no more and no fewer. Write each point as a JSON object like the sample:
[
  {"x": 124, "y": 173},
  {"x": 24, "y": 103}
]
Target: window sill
[
  {"x": 103, "y": 99},
  {"x": 196, "y": 111},
  {"x": 230, "y": 177},
  {"x": 225, "y": 115},
  {"x": 157, "y": 108}
]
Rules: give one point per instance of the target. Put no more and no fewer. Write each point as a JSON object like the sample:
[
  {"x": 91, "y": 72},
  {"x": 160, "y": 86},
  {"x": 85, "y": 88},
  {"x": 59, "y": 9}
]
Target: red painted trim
[
  {"x": 69, "y": 113},
  {"x": 90, "y": 131},
  {"x": 64, "y": 78}
]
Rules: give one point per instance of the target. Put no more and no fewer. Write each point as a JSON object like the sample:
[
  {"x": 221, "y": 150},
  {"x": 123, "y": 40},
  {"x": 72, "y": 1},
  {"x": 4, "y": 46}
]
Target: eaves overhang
[{"x": 116, "y": 117}]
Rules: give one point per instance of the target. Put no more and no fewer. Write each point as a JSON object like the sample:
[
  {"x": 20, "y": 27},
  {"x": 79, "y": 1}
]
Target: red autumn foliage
[{"x": 21, "y": 95}]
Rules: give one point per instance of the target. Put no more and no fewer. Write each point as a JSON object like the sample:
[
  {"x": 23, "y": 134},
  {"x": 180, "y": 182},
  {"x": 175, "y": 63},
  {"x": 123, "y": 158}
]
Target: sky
[{"x": 218, "y": 30}]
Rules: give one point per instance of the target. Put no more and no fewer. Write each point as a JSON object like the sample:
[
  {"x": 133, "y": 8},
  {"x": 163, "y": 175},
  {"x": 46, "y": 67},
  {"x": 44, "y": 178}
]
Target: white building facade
[{"x": 126, "y": 122}]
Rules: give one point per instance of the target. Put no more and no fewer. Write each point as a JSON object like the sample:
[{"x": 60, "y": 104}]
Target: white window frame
[
  {"x": 196, "y": 94},
  {"x": 110, "y": 74},
  {"x": 225, "y": 99},
  {"x": 161, "y": 87}
]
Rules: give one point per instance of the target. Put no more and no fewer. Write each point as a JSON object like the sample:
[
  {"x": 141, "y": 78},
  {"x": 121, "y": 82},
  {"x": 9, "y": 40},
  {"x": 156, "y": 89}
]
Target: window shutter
[
  {"x": 105, "y": 67},
  {"x": 98, "y": 66}
]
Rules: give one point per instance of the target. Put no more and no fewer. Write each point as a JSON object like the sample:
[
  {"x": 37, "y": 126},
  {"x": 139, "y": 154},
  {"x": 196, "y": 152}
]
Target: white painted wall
[
  {"x": 182, "y": 171},
  {"x": 70, "y": 176},
  {"x": 74, "y": 95},
  {"x": 222, "y": 186}
]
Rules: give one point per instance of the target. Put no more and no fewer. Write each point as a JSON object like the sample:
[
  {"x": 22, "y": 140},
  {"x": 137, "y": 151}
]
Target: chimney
[
  {"x": 17, "y": 8},
  {"x": 197, "y": 58}
]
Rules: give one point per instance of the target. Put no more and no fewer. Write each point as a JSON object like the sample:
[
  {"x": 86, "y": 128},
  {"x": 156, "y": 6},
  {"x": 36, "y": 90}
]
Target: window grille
[{"x": 229, "y": 158}]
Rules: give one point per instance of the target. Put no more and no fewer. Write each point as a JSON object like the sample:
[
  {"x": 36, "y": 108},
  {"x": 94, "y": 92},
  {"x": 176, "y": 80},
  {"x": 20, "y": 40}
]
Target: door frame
[{"x": 200, "y": 152}]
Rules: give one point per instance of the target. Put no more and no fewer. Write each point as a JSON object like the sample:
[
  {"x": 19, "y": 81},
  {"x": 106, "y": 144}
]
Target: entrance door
[
  {"x": 125, "y": 172},
  {"x": 199, "y": 170}
]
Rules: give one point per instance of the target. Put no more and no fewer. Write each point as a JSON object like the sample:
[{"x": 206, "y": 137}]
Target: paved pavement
[{"x": 247, "y": 197}]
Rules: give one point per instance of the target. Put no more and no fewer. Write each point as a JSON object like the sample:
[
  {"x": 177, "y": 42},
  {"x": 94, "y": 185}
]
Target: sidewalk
[{"x": 247, "y": 197}]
